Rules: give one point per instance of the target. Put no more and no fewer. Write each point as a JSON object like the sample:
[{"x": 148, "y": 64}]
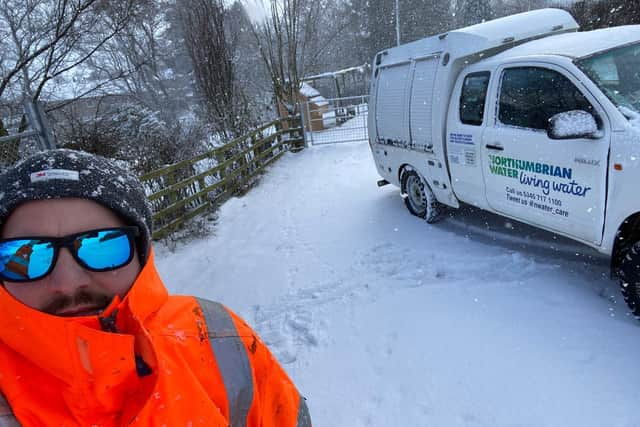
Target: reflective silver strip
[
  {"x": 7, "y": 419},
  {"x": 233, "y": 361},
  {"x": 304, "y": 419}
]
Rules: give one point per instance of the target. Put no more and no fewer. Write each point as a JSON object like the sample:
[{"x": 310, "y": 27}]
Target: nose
[{"x": 67, "y": 276}]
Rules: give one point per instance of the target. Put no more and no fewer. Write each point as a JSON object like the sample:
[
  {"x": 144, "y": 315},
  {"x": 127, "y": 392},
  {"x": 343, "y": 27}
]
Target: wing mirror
[{"x": 573, "y": 124}]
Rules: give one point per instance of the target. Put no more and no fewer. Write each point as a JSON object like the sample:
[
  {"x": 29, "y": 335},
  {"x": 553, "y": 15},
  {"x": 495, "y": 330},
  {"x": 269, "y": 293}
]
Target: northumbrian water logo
[{"x": 528, "y": 173}]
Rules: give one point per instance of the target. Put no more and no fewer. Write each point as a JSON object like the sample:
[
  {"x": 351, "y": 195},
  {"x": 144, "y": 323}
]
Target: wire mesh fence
[{"x": 335, "y": 120}]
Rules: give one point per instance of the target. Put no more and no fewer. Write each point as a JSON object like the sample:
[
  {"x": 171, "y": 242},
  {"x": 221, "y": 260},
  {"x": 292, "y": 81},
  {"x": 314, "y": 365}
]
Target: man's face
[{"x": 70, "y": 289}]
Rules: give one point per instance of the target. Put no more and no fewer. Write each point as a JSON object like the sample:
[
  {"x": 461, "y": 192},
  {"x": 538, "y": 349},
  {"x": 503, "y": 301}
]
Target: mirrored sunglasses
[{"x": 25, "y": 259}]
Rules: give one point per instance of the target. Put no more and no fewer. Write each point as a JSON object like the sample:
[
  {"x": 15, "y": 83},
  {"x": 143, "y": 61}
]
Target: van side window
[
  {"x": 529, "y": 96},
  {"x": 474, "y": 93}
]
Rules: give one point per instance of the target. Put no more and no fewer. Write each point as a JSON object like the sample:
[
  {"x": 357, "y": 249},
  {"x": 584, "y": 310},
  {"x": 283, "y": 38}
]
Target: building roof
[{"x": 308, "y": 91}]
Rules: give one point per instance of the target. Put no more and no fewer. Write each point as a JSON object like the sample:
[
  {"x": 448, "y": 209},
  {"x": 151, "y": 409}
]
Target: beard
[{"x": 95, "y": 300}]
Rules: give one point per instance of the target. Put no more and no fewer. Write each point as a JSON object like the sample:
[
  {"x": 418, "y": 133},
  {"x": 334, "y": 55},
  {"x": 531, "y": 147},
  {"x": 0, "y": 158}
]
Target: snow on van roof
[
  {"x": 576, "y": 45},
  {"x": 522, "y": 25},
  {"x": 496, "y": 34}
]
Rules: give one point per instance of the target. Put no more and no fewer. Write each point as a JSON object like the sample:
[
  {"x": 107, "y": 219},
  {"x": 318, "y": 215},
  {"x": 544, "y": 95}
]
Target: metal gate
[
  {"x": 330, "y": 121},
  {"x": 38, "y": 129}
]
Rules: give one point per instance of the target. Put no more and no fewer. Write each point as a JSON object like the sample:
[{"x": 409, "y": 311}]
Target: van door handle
[{"x": 495, "y": 146}]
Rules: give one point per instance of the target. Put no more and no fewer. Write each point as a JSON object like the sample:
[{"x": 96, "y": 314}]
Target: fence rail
[{"x": 185, "y": 189}]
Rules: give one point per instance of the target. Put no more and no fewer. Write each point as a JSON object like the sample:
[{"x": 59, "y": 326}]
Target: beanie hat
[{"x": 62, "y": 173}]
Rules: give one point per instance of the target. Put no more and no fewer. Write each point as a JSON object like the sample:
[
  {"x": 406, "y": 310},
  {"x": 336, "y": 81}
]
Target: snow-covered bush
[{"x": 135, "y": 134}]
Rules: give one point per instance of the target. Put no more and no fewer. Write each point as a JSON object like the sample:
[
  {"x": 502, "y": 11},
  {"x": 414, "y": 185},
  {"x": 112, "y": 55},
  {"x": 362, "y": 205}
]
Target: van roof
[
  {"x": 497, "y": 34},
  {"x": 575, "y": 45},
  {"x": 521, "y": 25}
]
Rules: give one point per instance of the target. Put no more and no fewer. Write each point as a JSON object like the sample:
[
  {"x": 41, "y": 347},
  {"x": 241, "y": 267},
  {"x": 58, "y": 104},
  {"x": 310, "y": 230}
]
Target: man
[{"x": 89, "y": 335}]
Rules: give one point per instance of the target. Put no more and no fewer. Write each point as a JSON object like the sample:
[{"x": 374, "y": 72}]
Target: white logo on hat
[{"x": 50, "y": 174}]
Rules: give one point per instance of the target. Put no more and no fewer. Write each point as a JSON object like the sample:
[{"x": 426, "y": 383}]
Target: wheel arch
[
  {"x": 628, "y": 233},
  {"x": 404, "y": 168}
]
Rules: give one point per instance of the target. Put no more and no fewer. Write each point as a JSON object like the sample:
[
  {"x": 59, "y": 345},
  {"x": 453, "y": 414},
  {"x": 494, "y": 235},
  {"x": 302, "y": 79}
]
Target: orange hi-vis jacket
[{"x": 168, "y": 361}]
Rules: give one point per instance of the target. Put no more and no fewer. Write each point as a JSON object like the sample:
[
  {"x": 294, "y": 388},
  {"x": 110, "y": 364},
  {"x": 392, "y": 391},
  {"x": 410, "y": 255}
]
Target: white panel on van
[
  {"x": 391, "y": 102},
  {"x": 422, "y": 100}
]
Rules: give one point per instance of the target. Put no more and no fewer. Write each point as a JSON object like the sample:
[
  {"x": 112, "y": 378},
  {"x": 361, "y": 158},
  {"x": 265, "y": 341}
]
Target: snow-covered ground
[{"x": 384, "y": 320}]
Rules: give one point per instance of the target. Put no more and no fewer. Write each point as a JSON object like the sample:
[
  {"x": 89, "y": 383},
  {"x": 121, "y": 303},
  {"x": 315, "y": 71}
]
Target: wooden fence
[{"x": 183, "y": 190}]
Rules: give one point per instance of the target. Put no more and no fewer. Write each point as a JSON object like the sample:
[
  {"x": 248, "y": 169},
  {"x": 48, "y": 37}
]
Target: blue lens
[
  {"x": 25, "y": 259},
  {"x": 104, "y": 250}
]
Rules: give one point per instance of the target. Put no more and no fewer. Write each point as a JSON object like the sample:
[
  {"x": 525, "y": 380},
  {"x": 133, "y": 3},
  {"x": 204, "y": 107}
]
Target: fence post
[
  {"x": 303, "y": 115},
  {"x": 297, "y": 123},
  {"x": 256, "y": 152},
  {"x": 304, "y": 124},
  {"x": 310, "y": 125},
  {"x": 173, "y": 195},
  {"x": 39, "y": 123},
  {"x": 204, "y": 199},
  {"x": 279, "y": 127},
  {"x": 243, "y": 163},
  {"x": 219, "y": 157}
]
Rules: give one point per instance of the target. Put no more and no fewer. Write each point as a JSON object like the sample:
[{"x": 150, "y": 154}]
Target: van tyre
[
  {"x": 629, "y": 275},
  {"x": 419, "y": 198}
]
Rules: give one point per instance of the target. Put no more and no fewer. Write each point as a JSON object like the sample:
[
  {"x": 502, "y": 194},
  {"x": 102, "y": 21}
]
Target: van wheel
[
  {"x": 419, "y": 198},
  {"x": 629, "y": 275}
]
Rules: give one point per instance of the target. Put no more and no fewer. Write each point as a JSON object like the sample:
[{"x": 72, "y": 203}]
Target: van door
[
  {"x": 391, "y": 107},
  {"x": 553, "y": 183},
  {"x": 421, "y": 102},
  {"x": 465, "y": 125},
  {"x": 426, "y": 133}
]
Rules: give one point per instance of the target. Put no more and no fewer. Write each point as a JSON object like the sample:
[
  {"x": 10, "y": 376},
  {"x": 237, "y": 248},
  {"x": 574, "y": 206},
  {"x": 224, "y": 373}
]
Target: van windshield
[{"x": 617, "y": 73}]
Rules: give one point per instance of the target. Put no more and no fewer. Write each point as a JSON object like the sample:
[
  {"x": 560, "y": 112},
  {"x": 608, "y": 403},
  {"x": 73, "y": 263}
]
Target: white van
[{"x": 525, "y": 117}]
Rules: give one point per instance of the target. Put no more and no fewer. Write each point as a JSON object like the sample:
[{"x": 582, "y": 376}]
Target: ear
[{"x": 142, "y": 247}]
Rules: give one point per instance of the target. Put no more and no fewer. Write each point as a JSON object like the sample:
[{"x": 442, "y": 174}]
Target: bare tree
[
  {"x": 249, "y": 70},
  {"x": 204, "y": 35},
  {"x": 473, "y": 11},
  {"x": 44, "y": 39},
  {"x": 605, "y": 13},
  {"x": 141, "y": 62},
  {"x": 510, "y": 7},
  {"x": 284, "y": 40}
]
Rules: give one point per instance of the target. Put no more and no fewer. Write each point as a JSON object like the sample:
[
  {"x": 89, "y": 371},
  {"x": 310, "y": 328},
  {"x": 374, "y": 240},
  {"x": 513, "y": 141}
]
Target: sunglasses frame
[{"x": 67, "y": 241}]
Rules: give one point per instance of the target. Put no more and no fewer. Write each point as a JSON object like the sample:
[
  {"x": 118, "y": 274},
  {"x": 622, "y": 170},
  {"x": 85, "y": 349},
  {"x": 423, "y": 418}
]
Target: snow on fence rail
[{"x": 183, "y": 190}]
